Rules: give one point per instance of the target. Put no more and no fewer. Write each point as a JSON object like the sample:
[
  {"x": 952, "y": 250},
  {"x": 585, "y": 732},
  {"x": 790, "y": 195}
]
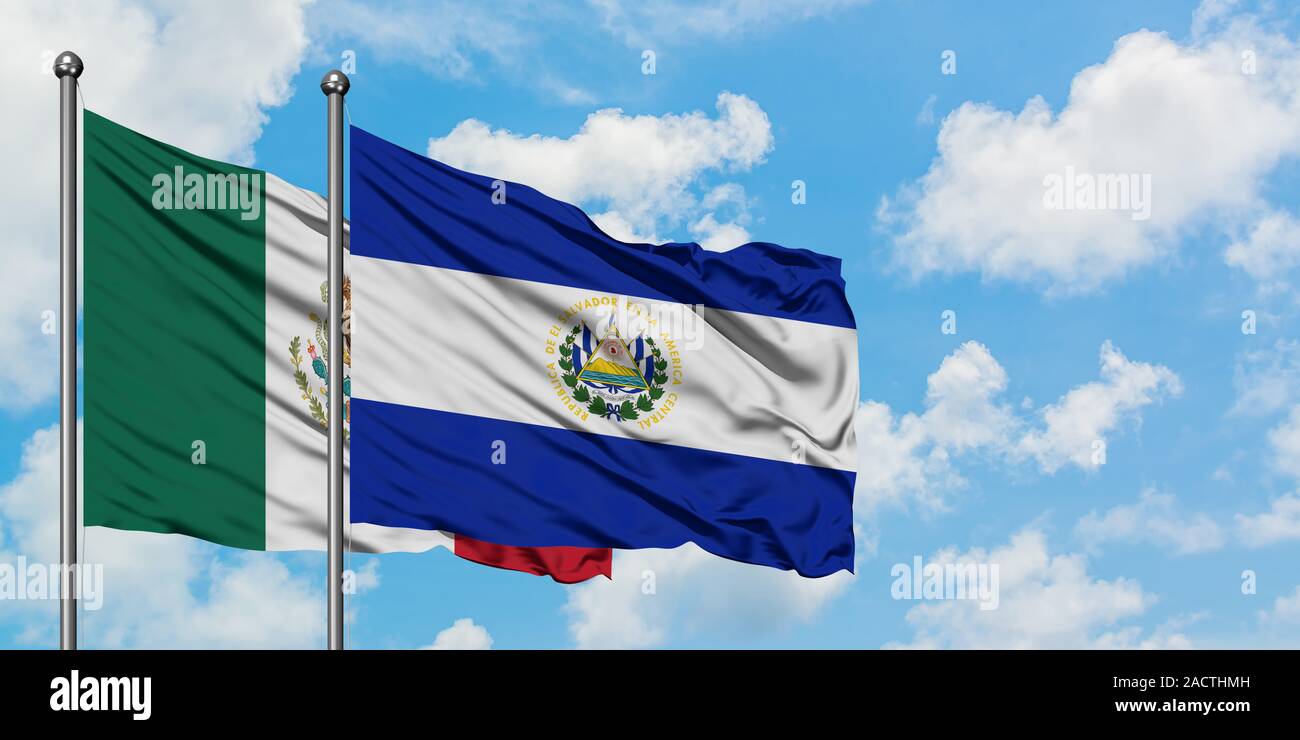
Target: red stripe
[{"x": 564, "y": 564}]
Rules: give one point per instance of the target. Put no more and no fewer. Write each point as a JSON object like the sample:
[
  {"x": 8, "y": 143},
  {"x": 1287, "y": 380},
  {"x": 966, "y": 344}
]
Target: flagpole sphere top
[
  {"x": 333, "y": 82},
  {"x": 69, "y": 64}
]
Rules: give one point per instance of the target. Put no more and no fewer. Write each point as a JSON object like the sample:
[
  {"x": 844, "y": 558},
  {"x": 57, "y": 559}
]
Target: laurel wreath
[
  {"x": 626, "y": 411},
  {"x": 317, "y": 409}
]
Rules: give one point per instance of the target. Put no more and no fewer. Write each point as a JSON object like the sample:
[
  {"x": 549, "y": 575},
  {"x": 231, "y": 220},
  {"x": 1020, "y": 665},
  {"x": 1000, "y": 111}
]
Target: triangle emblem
[{"x": 612, "y": 364}]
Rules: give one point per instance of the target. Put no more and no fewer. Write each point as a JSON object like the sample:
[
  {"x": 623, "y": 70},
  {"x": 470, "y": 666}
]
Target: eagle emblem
[{"x": 315, "y": 387}]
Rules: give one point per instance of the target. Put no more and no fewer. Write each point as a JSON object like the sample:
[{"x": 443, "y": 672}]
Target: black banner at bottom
[{"x": 253, "y": 689}]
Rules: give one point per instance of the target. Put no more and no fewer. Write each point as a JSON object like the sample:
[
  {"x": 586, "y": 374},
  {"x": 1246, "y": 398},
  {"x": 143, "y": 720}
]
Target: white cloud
[
  {"x": 1269, "y": 250},
  {"x": 1155, "y": 519},
  {"x": 446, "y": 37},
  {"x": 614, "y": 224},
  {"x": 1046, "y": 601},
  {"x": 367, "y": 576},
  {"x": 898, "y": 463},
  {"x": 256, "y": 602},
  {"x": 1267, "y": 381},
  {"x": 1285, "y": 611},
  {"x": 1279, "y": 524},
  {"x": 1284, "y": 439},
  {"x": 960, "y": 411},
  {"x": 684, "y": 593},
  {"x": 925, "y": 116},
  {"x": 27, "y": 500},
  {"x": 159, "y": 590},
  {"x": 163, "y": 85},
  {"x": 728, "y": 199},
  {"x": 1210, "y": 14},
  {"x": 566, "y": 92},
  {"x": 1166, "y": 636},
  {"x": 669, "y": 21},
  {"x": 641, "y": 169},
  {"x": 462, "y": 40},
  {"x": 1090, "y": 412},
  {"x": 910, "y": 459},
  {"x": 718, "y": 237},
  {"x": 463, "y": 634},
  {"x": 30, "y": 285},
  {"x": 1186, "y": 114}
]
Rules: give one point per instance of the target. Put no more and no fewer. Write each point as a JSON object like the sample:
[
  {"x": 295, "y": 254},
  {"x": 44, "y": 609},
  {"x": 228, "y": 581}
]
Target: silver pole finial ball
[
  {"x": 68, "y": 64},
  {"x": 335, "y": 81}
]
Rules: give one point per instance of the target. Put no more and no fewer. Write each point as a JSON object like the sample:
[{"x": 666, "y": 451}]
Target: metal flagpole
[
  {"x": 67, "y": 67},
  {"x": 335, "y": 85}
]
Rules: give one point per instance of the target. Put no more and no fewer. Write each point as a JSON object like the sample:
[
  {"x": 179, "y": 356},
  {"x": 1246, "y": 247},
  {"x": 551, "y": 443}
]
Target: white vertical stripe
[{"x": 296, "y": 252}]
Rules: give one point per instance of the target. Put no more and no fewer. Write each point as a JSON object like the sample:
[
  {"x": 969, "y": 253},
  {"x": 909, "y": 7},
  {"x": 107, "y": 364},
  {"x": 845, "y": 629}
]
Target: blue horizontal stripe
[
  {"x": 426, "y": 469},
  {"x": 409, "y": 208}
]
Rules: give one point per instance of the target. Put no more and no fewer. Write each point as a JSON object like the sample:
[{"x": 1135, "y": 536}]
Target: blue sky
[{"x": 979, "y": 442}]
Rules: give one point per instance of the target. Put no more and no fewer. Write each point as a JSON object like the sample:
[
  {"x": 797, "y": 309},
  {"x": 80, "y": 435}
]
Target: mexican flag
[{"x": 204, "y": 359}]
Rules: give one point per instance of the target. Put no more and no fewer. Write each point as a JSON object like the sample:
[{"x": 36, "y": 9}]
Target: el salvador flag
[{"x": 522, "y": 377}]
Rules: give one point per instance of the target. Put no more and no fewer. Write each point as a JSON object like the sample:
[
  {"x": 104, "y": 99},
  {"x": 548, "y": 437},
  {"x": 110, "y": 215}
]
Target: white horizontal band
[{"x": 478, "y": 344}]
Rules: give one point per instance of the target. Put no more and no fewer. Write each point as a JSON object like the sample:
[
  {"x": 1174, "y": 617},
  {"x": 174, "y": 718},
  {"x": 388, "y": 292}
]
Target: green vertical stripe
[{"x": 175, "y": 317}]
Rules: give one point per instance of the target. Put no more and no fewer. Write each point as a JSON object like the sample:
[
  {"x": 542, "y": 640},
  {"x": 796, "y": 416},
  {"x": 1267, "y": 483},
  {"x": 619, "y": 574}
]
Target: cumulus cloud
[
  {"x": 448, "y": 38},
  {"x": 1045, "y": 601},
  {"x": 640, "y": 23},
  {"x": 1173, "y": 111},
  {"x": 366, "y": 578},
  {"x": 1279, "y": 524},
  {"x": 1088, "y": 413},
  {"x": 718, "y": 237},
  {"x": 898, "y": 463},
  {"x": 1267, "y": 381},
  {"x": 910, "y": 458},
  {"x": 1154, "y": 519},
  {"x": 640, "y": 169},
  {"x": 253, "y": 602},
  {"x": 684, "y": 593},
  {"x": 1268, "y": 251},
  {"x": 159, "y": 590},
  {"x": 1285, "y": 610},
  {"x": 164, "y": 87},
  {"x": 463, "y": 634},
  {"x": 728, "y": 202},
  {"x": 1166, "y": 636},
  {"x": 1284, "y": 440}
]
